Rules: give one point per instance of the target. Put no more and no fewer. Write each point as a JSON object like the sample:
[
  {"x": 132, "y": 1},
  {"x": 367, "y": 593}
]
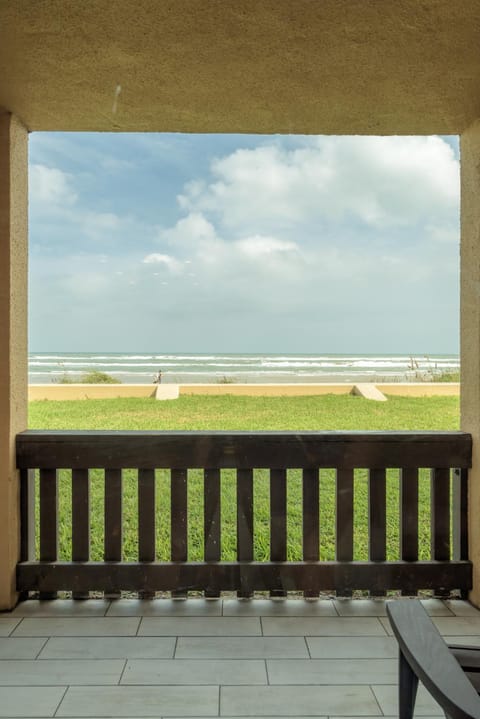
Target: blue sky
[{"x": 242, "y": 243}]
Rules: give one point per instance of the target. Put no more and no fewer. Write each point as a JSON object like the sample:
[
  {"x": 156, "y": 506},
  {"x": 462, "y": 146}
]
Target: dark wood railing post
[
  {"x": 27, "y": 518},
  {"x": 311, "y": 519},
  {"x": 48, "y": 520},
  {"x": 344, "y": 521},
  {"x": 440, "y": 517},
  {"x": 278, "y": 521},
  {"x": 27, "y": 515},
  {"x": 408, "y": 507},
  {"x": 244, "y": 525},
  {"x": 146, "y": 521},
  {"x": 460, "y": 514},
  {"x": 377, "y": 519},
  {"x": 179, "y": 522},
  {"x": 113, "y": 520},
  {"x": 211, "y": 521},
  {"x": 80, "y": 520}
]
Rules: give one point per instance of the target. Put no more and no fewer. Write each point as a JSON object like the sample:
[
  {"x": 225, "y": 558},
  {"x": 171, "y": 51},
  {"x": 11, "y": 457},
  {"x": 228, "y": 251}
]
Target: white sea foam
[{"x": 267, "y": 367}]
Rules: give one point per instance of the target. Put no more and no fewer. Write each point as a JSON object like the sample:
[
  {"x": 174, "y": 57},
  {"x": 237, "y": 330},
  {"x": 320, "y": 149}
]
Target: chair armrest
[{"x": 430, "y": 659}]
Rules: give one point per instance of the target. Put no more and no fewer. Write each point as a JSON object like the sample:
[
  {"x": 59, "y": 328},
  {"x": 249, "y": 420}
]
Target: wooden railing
[{"x": 333, "y": 511}]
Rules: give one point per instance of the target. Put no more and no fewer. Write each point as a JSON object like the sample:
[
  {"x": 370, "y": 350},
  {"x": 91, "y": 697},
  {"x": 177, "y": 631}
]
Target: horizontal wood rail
[{"x": 302, "y": 502}]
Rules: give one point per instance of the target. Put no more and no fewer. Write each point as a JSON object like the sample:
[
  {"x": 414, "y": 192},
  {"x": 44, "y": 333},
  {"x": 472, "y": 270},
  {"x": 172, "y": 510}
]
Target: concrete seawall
[{"x": 105, "y": 391}]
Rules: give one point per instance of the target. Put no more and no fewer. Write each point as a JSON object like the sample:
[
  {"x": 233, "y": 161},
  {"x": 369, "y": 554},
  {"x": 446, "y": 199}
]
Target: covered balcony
[{"x": 304, "y": 647}]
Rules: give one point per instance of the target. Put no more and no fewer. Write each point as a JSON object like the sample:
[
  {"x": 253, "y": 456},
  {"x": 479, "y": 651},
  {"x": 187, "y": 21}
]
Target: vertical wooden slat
[
  {"x": 80, "y": 515},
  {"x": 310, "y": 501},
  {"x": 463, "y": 522},
  {"x": 80, "y": 520},
  {"x": 310, "y": 520},
  {"x": 179, "y": 520},
  {"x": 344, "y": 521},
  {"x": 464, "y": 514},
  {"x": 459, "y": 514},
  {"x": 377, "y": 519},
  {"x": 440, "y": 513},
  {"x": 344, "y": 515},
  {"x": 179, "y": 515},
  {"x": 146, "y": 522},
  {"x": 211, "y": 521},
  {"x": 440, "y": 517},
  {"x": 409, "y": 514},
  {"x": 212, "y": 507},
  {"x": 113, "y": 519},
  {"x": 48, "y": 520},
  {"x": 278, "y": 520},
  {"x": 113, "y": 515},
  {"x": 27, "y": 514},
  {"x": 245, "y": 521},
  {"x": 146, "y": 515}
]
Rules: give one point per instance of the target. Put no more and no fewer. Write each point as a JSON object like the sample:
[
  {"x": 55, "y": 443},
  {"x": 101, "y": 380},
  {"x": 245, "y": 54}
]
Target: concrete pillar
[
  {"x": 470, "y": 331},
  {"x": 13, "y": 338}
]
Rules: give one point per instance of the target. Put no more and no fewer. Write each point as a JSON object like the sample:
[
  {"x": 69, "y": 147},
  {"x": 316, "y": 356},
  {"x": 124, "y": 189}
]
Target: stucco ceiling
[{"x": 294, "y": 66}]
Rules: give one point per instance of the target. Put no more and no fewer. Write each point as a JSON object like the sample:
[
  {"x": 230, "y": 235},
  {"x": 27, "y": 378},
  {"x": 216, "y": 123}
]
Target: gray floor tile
[
  {"x": 332, "y": 671},
  {"x": 387, "y": 697},
  {"x": 60, "y": 672},
  {"x": 77, "y": 627},
  {"x": 241, "y": 648},
  {"x": 195, "y": 671},
  {"x": 457, "y": 625},
  {"x": 467, "y": 640},
  {"x": 353, "y": 647},
  {"x": 323, "y": 626},
  {"x": 377, "y": 607},
  {"x": 278, "y": 608},
  {"x": 461, "y": 608},
  {"x": 142, "y": 701},
  {"x": 297, "y": 701},
  {"x": 360, "y": 607},
  {"x": 200, "y": 626},
  {"x": 165, "y": 608},
  {"x": 386, "y": 625},
  {"x": 7, "y": 625},
  {"x": 16, "y": 648},
  {"x": 62, "y": 608},
  {"x": 436, "y": 607},
  {"x": 29, "y": 701},
  {"x": 108, "y": 648}
]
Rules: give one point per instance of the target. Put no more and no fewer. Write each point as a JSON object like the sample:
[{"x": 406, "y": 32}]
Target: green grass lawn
[{"x": 329, "y": 412}]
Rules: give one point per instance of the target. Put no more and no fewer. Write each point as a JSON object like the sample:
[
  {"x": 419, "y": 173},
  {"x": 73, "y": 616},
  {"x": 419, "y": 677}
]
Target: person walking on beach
[{"x": 158, "y": 377}]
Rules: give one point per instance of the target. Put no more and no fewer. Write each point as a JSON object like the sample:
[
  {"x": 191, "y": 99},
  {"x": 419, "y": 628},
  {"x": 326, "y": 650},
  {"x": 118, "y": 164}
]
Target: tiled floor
[{"x": 209, "y": 658}]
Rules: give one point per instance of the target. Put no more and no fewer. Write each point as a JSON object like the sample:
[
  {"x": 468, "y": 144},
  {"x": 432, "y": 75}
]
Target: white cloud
[
  {"x": 377, "y": 181},
  {"x": 51, "y": 187},
  {"x": 258, "y": 246},
  {"x": 167, "y": 260}
]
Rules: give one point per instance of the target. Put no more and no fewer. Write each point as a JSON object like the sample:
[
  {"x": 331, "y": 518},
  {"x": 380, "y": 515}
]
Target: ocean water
[{"x": 141, "y": 368}]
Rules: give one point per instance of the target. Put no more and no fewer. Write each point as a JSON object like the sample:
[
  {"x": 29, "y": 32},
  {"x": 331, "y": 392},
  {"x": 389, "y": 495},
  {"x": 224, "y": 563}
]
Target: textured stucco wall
[
  {"x": 13, "y": 338},
  {"x": 470, "y": 330},
  {"x": 258, "y": 66}
]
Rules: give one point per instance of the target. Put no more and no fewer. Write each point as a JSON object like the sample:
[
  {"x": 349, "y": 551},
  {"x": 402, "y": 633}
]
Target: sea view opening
[
  {"x": 243, "y": 260},
  {"x": 232, "y": 553}
]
